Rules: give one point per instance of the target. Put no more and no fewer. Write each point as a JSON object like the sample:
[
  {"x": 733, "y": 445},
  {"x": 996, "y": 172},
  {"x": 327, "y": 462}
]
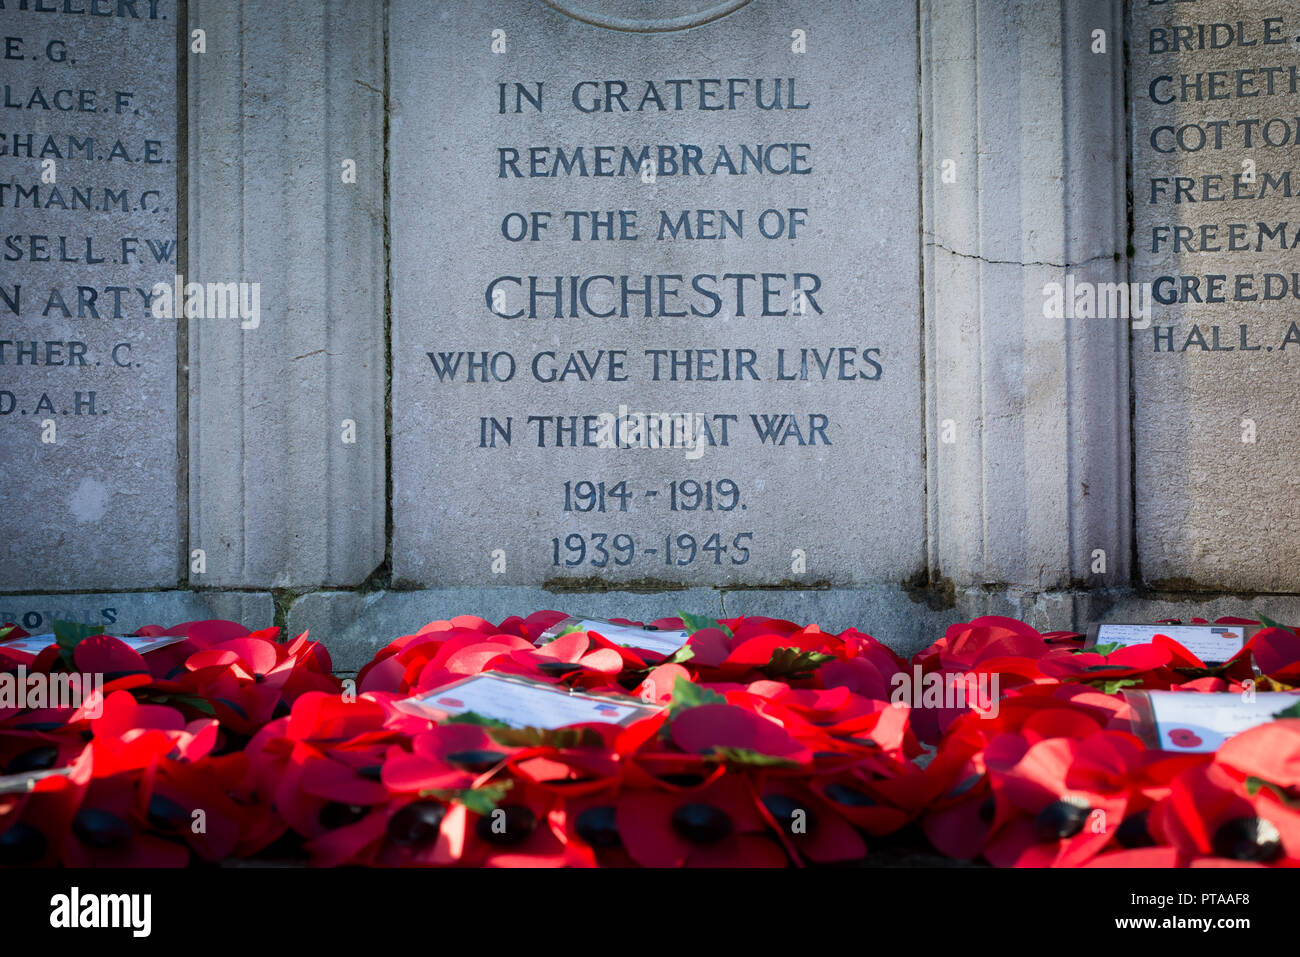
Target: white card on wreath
[
  {"x": 660, "y": 640},
  {"x": 1198, "y": 723},
  {"x": 524, "y": 703},
  {"x": 35, "y": 644},
  {"x": 1213, "y": 644}
]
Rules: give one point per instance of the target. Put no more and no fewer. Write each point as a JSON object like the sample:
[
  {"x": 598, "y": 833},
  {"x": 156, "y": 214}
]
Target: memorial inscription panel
[
  {"x": 655, "y": 293},
  {"x": 87, "y": 374},
  {"x": 1216, "y": 138}
]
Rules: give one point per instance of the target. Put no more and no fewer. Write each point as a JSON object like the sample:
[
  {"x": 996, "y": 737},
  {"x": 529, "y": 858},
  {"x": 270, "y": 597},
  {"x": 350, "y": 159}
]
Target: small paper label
[
  {"x": 525, "y": 704},
  {"x": 1198, "y": 723},
  {"x": 35, "y": 644},
  {"x": 1213, "y": 644},
  {"x": 662, "y": 641},
  {"x": 522, "y": 703}
]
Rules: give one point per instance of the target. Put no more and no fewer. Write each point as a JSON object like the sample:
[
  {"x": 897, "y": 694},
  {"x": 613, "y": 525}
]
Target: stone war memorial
[{"x": 817, "y": 379}]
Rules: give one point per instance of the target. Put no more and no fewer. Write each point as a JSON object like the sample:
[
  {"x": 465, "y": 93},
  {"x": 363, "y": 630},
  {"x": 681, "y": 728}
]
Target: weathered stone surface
[
  {"x": 1012, "y": 180},
  {"x": 354, "y": 626},
  {"x": 286, "y": 437},
  {"x": 1146, "y": 608},
  {"x": 87, "y": 376},
  {"x": 848, "y": 512},
  {"x": 1215, "y": 139},
  {"x": 1026, "y": 415},
  {"x": 905, "y": 622},
  {"x": 124, "y": 612}
]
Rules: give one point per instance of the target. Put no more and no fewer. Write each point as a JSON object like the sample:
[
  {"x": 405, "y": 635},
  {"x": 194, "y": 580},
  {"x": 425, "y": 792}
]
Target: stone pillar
[
  {"x": 1027, "y": 417},
  {"x": 286, "y": 442}
]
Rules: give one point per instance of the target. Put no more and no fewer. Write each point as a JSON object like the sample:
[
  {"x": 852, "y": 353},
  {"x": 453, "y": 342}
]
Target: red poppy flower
[
  {"x": 396, "y": 667},
  {"x": 790, "y": 757},
  {"x": 33, "y": 824},
  {"x": 448, "y": 757},
  {"x": 108, "y": 829},
  {"x": 577, "y": 657},
  {"x": 1124, "y": 662},
  {"x": 648, "y": 760},
  {"x": 867, "y": 675},
  {"x": 985, "y": 646},
  {"x": 811, "y": 827},
  {"x": 1268, "y": 752},
  {"x": 1060, "y": 801},
  {"x": 590, "y": 828},
  {"x": 712, "y": 728},
  {"x": 1145, "y": 857},
  {"x": 585, "y": 767},
  {"x": 746, "y": 655},
  {"x": 1209, "y": 813},
  {"x": 519, "y": 832},
  {"x": 958, "y": 821},
  {"x": 190, "y": 802},
  {"x": 1276, "y": 652},
  {"x": 465, "y": 653},
  {"x": 715, "y": 825},
  {"x": 1010, "y": 645},
  {"x": 657, "y": 686}
]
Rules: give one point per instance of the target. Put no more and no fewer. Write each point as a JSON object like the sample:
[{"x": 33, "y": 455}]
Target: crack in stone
[
  {"x": 307, "y": 355},
  {"x": 1015, "y": 262}
]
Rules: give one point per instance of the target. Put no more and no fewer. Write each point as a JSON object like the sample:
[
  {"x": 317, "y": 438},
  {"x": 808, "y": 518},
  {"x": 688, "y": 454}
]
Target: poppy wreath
[{"x": 774, "y": 744}]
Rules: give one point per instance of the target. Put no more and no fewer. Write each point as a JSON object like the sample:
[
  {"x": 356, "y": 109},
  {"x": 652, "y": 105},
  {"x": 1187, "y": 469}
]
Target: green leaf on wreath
[
  {"x": 682, "y": 655},
  {"x": 751, "y": 758},
  {"x": 1217, "y": 671},
  {"x": 481, "y": 801},
  {"x": 1291, "y": 711},
  {"x": 1103, "y": 650},
  {"x": 1110, "y": 687},
  {"x": 561, "y": 738},
  {"x": 473, "y": 717},
  {"x": 1270, "y": 623},
  {"x": 694, "y": 623},
  {"x": 69, "y": 634},
  {"x": 202, "y": 705},
  {"x": 1254, "y": 785},
  {"x": 687, "y": 694},
  {"x": 794, "y": 663},
  {"x": 560, "y": 634}
]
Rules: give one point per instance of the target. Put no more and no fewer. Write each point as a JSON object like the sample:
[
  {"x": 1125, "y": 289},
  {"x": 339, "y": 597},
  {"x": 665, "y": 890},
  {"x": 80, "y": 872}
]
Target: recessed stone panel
[
  {"x": 88, "y": 429},
  {"x": 655, "y": 293},
  {"x": 1216, "y": 187}
]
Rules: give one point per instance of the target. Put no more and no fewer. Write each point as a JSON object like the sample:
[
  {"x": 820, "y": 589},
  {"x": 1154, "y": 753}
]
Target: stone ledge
[
  {"x": 124, "y": 612},
  {"x": 355, "y": 625}
]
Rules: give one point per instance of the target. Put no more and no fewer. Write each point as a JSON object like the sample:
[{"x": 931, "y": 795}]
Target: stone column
[
  {"x": 1023, "y": 184},
  {"x": 286, "y": 442}
]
